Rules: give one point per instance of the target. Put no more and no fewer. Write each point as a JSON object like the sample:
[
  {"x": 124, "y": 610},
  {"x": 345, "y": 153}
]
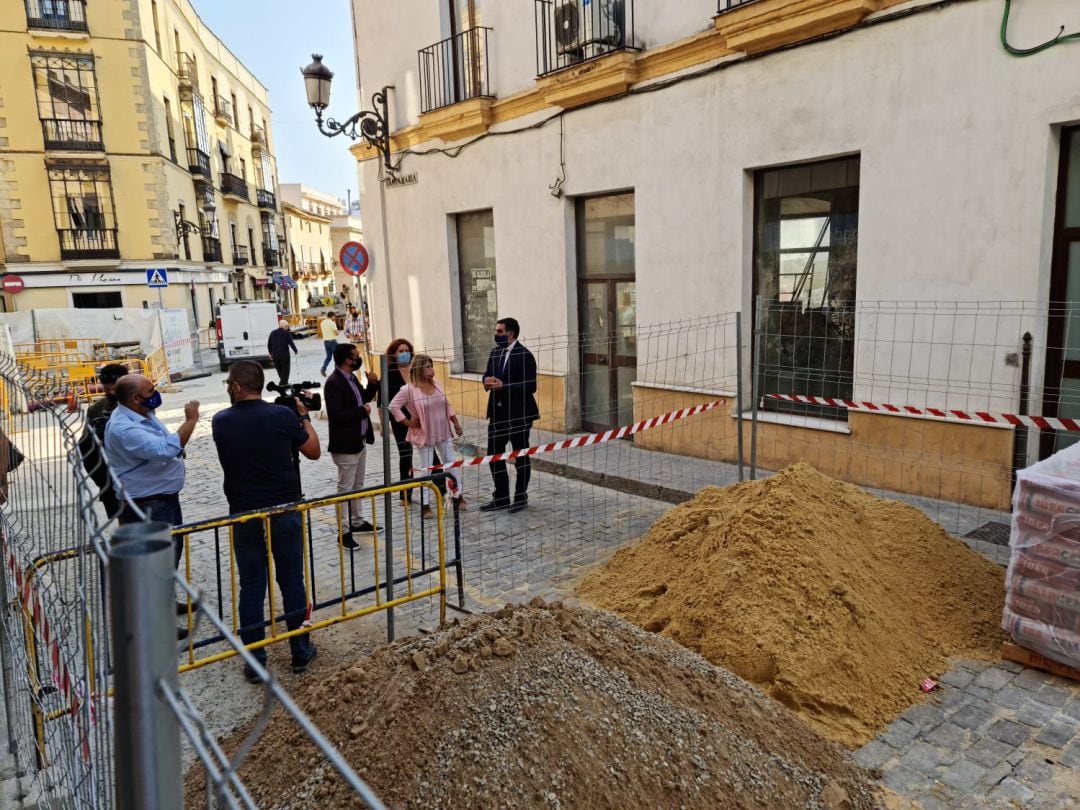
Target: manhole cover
[{"x": 993, "y": 532}]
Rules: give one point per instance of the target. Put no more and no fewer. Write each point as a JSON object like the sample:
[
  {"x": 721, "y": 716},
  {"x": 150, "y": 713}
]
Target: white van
[{"x": 242, "y": 330}]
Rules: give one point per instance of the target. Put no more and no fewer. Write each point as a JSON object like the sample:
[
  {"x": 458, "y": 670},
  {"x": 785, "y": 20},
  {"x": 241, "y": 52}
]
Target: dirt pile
[
  {"x": 833, "y": 601},
  {"x": 547, "y": 706}
]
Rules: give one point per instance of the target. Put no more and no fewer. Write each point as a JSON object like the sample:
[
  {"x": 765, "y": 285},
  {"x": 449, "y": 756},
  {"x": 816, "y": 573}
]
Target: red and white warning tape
[
  {"x": 980, "y": 417},
  {"x": 583, "y": 441},
  {"x": 30, "y": 598}
]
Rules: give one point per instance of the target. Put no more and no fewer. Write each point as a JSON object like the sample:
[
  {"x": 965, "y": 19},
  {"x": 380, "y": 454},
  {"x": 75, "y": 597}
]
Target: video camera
[{"x": 290, "y": 393}]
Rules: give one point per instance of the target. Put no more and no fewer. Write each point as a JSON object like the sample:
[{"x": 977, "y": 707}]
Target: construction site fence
[{"x": 93, "y": 708}]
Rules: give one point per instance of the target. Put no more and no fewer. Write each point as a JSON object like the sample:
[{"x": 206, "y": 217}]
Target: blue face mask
[
  {"x": 403, "y": 358},
  {"x": 154, "y": 402},
  {"x": 502, "y": 340}
]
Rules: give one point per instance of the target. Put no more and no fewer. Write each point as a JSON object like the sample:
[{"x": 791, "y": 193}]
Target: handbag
[{"x": 15, "y": 457}]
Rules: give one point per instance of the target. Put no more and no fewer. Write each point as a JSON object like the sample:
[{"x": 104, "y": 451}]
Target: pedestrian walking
[
  {"x": 429, "y": 426},
  {"x": 278, "y": 345},
  {"x": 257, "y": 445},
  {"x": 350, "y": 432},
  {"x": 328, "y": 331},
  {"x": 510, "y": 380}
]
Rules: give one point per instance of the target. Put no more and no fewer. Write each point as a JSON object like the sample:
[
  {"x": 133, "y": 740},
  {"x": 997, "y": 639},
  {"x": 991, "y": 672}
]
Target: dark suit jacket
[
  {"x": 515, "y": 402},
  {"x": 350, "y": 424}
]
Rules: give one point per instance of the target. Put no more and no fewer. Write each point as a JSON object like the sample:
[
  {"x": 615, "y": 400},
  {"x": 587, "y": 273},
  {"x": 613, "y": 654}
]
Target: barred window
[
  {"x": 66, "y": 86},
  {"x": 83, "y": 210}
]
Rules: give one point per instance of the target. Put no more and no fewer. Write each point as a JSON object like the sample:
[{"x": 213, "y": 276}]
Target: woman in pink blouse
[{"x": 430, "y": 424}]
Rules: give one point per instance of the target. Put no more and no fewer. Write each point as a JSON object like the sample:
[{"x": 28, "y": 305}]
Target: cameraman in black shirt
[{"x": 256, "y": 442}]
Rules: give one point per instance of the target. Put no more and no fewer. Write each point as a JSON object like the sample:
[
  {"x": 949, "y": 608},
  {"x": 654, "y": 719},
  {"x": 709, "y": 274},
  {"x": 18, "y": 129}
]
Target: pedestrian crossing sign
[{"x": 157, "y": 277}]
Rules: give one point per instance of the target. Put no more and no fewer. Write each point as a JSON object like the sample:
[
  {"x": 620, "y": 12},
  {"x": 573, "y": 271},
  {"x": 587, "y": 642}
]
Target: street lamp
[
  {"x": 371, "y": 125},
  {"x": 183, "y": 227}
]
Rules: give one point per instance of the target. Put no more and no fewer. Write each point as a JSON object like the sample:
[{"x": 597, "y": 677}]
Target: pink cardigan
[{"x": 409, "y": 397}]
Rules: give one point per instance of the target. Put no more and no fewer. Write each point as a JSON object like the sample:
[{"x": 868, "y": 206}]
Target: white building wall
[{"x": 958, "y": 145}]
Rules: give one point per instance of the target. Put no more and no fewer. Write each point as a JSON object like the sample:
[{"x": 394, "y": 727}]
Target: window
[
  {"x": 67, "y": 100},
  {"x": 157, "y": 31},
  {"x": 251, "y": 117},
  {"x": 235, "y": 109},
  {"x": 476, "y": 275},
  {"x": 56, "y": 15},
  {"x": 243, "y": 170},
  {"x": 96, "y": 300},
  {"x": 176, "y": 47},
  {"x": 83, "y": 211},
  {"x": 805, "y": 244},
  {"x": 170, "y": 131}
]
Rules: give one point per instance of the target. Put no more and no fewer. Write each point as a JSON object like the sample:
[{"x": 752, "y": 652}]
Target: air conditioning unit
[{"x": 588, "y": 28}]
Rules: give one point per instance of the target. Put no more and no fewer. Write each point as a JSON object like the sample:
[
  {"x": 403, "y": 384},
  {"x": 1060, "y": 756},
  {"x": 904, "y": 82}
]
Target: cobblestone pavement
[{"x": 991, "y": 736}]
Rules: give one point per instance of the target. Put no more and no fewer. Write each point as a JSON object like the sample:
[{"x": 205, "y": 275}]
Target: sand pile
[
  {"x": 834, "y": 602},
  {"x": 547, "y": 706}
]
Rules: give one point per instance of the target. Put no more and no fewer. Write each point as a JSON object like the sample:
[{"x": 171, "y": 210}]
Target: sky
[{"x": 275, "y": 39}]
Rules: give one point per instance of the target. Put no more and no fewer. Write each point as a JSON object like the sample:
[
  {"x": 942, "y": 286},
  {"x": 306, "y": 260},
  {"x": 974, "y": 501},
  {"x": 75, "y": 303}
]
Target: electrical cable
[{"x": 1050, "y": 43}]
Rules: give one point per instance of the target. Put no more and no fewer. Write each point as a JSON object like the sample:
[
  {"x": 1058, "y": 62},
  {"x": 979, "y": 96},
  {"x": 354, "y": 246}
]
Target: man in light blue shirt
[{"x": 147, "y": 458}]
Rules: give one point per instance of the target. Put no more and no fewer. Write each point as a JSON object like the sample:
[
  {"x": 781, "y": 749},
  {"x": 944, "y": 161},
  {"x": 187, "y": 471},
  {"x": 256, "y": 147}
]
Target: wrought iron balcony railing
[
  {"x": 271, "y": 257},
  {"x": 186, "y": 70},
  {"x": 198, "y": 162},
  {"x": 265, "y": 199},
  {"x": 88, "y": 243},
  {"x": 222, "y": 110},
  {"x": 569, "y": 32},
  {"x": 211, "y": 249},
  {"x": 72, "y": 133},
  {"x": 56, "y": 15},
  {"x": 239, "y": 255},
  {"x": 233, "y": 185},
  {"x": 728, "y": 5},
  {"x": 455, "y": 69}
]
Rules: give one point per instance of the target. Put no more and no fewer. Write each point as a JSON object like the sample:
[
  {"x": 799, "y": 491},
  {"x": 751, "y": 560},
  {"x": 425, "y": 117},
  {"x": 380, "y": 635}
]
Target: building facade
[
  {"x": 131, "y": 140},
  {"x": 309, "y": 217},
  {"x": 660, "y": 162}
]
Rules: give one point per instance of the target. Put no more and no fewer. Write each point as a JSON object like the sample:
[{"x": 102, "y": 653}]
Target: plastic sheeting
[{"x": 1042, "y": 587}]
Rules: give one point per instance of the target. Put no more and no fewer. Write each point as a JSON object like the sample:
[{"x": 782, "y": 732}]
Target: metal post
[
  {"x": 738, "y": 389},
  {"x": 388, "y": 499},
  {"x": 755, "y": 364},
  {"x": 6, "y": 668},
  {"x": 147, "y": 734},
  {"x": 1020, "y": 435}
]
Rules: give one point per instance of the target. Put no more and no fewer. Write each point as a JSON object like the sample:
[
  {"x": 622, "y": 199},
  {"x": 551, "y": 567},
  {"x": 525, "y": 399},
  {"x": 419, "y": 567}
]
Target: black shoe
[
  {"x": 181, "y": 633},
  {"x": 181, "y": 608},
  {"x": 519, "y": 506},
  {"x": 348, "y": 542},
  {"x": 251, "y": 676},
  {"x": 301, "y": 665},
  {"x": 363, "y": 528},
  {"x": 495, "y": 506}
]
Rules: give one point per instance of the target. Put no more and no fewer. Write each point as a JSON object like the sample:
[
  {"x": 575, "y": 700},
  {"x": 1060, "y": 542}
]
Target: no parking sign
[{"x": 354, "y": 258}]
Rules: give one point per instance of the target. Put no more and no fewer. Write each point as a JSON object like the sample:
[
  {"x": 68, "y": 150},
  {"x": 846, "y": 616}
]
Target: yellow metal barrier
[{"x": 340, "y": 505}]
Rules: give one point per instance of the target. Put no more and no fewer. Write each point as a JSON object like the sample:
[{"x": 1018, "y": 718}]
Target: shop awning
[{"x": 284, "y": 281}]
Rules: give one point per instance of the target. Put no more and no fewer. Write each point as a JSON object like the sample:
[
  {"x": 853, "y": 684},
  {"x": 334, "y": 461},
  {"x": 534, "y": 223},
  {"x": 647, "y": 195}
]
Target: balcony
[
  {"x": 569, "y": 32},
  {"x": 239, "y": 255},
  {"x": 56, "y": 15},
  {"x": 271, "y": 257},
  {"x": 74, "y": 134},
  {"x": 265, "y": 199},
  {"x": 211, "y": 249},
  {"x": 223, "y": 111},
  {"x": 198, "y": 162},
  {"x": 258, "y": 137},
  {"x": 187, "y": 71},
  {"x": 455, "y": 70},
  {"x": 233, "y": 186},
  {"x": 728, "y": 5},
  {"x": 88, "y": 243}
]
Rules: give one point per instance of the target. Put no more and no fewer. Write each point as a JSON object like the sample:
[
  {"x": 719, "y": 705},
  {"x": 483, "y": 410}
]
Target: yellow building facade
[
  {"x": 131, "y": 140},
  {"x": 309, "y": 215}
]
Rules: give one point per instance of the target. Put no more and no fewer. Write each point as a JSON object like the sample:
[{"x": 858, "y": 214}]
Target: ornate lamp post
[{"x": 371, "y": 125}]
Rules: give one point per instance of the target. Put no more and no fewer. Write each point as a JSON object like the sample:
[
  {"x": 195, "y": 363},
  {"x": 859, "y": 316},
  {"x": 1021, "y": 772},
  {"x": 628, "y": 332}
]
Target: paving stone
[
  {"x": 1072, "y": 708},
  {"x": 905, "y": 781},
  {"x": 951, "y": 700},
  {"x": 994, "y": 678},
  {"x": 1070, "y": 756},
  {"x": 995, "y": 774},
  {"x": 1015, "y": 757},
  {"x": 1056, "y": 734},
  {"x": 1053, "y": 695},
  {"x": 900, "y": 733},
  {"x": 1035, "y": 714},
  {"x": 875, "y": 754},
  {"x": 1034, "y": 769},
  {"x": 1007, "y": 731},
  {"x": 979, "y": 692},
  {"x": 1011, "y": 666},
  {"x": 926, "y": 716},
  {"x": 974, "y": 666},
  {"x": 1012, "y": 791},
  {"x": 928, "y": 759},
  {"x": 1031, "y": 679},
  {"x": 963, "y": 774},
  {"x": 989, "y": 752},
  {"x": 972, "y": 717},
  {"x": 958, "y": 678},
  {"x": 1012, "y": 697},
  {"x": 948, "y": 735},
  {"x": 931, "y": 799}
]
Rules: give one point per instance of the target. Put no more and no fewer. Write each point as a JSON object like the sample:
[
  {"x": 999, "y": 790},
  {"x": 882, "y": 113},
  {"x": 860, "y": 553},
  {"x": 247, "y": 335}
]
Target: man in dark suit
[
  {"x": 350, "y": 431},
  {"x": 510, "y": 380}
]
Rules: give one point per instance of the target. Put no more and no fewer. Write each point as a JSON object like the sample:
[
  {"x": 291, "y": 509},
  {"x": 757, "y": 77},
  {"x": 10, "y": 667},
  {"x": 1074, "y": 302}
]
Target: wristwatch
[{"x": 305, "y": 418}]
